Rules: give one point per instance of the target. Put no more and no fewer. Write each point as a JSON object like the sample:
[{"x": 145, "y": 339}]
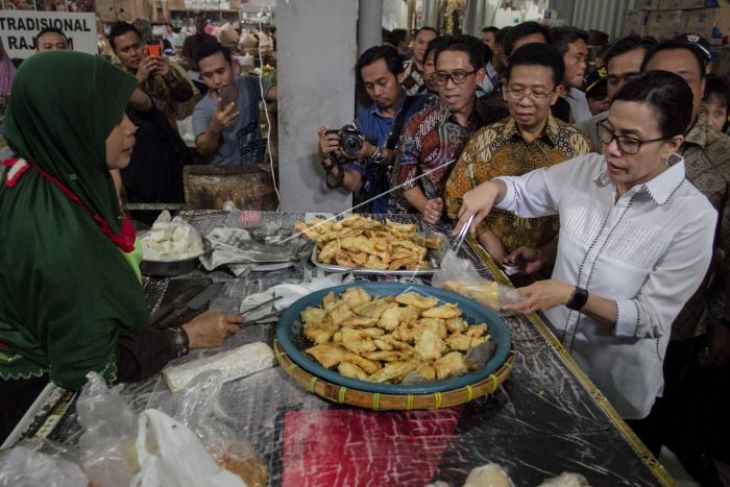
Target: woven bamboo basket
[{"x": 393, "y": 402}]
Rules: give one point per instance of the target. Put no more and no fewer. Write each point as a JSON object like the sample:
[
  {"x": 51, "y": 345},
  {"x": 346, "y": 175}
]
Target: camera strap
[{"x": 398, "y": 123}]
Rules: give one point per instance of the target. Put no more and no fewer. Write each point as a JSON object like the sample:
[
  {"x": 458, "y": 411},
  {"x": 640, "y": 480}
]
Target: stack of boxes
[{"x": 667, "y": 18}]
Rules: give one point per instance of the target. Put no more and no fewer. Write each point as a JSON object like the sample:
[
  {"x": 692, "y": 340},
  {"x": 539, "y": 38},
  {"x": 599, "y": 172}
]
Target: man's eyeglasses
[
  {"x": 626, "y": 144},
  {"x": 458, "y": 77},
  {"x": 517, "y": 94}
]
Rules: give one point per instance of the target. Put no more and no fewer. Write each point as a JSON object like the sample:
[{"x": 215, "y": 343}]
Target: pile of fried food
[
  {"x": 486, "y": 292},
  {"x": 387, "y": 339},
  {"x": 361, "y": 242}
]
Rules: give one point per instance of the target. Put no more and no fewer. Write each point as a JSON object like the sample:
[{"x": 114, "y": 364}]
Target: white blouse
[{"x": 649, "y": 252}]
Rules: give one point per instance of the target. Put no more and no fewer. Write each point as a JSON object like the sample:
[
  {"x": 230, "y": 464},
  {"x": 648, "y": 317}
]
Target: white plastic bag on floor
[{"x": 171, "y": 455}]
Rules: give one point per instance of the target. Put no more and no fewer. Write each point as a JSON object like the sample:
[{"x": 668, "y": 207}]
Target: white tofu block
[{"x": 234, "y": 364}]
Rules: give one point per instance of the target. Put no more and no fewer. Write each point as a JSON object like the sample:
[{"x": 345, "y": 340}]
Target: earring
[{"x": 665, "y": 161}]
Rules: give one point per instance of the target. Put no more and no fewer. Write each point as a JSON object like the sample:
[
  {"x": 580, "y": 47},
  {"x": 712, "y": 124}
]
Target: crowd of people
[{"x": 606, "y": 187}]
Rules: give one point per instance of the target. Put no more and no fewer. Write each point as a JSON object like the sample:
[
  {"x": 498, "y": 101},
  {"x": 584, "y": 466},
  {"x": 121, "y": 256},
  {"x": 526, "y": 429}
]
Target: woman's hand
[
  {"x": 542, "y": 295},
  {"x": 477, "y": 202},
  {"x": 527, "y": 259},
  {"x": 211, "y": 328}
]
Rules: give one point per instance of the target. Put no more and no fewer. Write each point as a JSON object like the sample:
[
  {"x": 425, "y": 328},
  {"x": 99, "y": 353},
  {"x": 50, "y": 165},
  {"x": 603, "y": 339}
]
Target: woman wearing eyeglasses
[{"x": 635, "y": 240}]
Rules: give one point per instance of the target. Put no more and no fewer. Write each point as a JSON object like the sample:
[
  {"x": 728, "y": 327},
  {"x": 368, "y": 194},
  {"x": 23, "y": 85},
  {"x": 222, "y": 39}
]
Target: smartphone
[
  {"x": 154, "y": 50},
  {"x": 228, "y": 95}
]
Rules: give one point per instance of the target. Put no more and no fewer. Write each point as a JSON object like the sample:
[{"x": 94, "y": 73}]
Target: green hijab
[{"x": 67, "y": 290}]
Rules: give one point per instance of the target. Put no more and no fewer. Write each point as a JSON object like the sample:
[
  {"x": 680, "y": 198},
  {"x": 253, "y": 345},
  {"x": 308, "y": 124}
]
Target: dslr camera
[{"x": 351, "y": 140}]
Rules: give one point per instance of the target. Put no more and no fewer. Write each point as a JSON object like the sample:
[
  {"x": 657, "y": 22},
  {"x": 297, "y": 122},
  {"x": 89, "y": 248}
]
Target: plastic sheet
[
  {"x": 23, "y": 466},
  {"x": 541, "y": 422}
]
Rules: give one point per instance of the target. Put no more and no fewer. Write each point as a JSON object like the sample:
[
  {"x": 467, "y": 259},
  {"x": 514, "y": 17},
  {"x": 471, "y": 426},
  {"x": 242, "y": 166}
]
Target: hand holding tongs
[
  {"x": 261, "y": 305},
  {"x": 461, "y": 236}
]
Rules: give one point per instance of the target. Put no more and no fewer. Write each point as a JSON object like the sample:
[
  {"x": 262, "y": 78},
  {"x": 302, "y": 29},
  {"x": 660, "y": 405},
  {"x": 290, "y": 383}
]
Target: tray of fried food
[
  {"x": 363, "y": 245},
  {"x": 389, "y": 339}
]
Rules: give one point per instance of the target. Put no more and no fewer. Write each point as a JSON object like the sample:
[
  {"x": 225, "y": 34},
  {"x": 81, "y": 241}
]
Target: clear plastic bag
[
  {"x": 23, "y": 465},
  {"x": 460, "y": 276},
  {"x": 110, "y": 431},
  {"x": 195, "y": 407}
]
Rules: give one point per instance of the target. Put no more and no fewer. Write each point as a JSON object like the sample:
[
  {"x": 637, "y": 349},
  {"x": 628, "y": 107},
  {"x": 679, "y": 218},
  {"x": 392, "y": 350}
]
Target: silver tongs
[{"x": 461, "y": 236}]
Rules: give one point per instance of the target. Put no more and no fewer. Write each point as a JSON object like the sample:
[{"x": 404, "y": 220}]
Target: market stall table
[{"x": 546, "y": 418}]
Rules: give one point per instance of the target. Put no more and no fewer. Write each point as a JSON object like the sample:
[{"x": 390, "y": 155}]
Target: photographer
[{"x": 365, "y": 172}]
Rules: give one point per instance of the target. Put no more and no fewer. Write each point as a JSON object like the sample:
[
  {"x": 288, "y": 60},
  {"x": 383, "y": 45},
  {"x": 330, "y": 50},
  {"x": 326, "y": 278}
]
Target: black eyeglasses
[
  {"x": 458, "y": 77},
  {"x": 625, "y": 143}
]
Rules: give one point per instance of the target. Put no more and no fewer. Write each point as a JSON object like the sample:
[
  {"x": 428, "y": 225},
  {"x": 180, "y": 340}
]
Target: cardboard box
[
  {"x": 636, "y": 22},
  {"x": 669, "y": 4},
  {"x": 700, "y": 21},
  {"x": 690, "y": 4},
  {"x": 665, "y": 24},
  {"x": 646, "y": 4}
]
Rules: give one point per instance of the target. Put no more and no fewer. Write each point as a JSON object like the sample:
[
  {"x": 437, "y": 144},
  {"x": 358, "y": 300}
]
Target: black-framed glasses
[
  {"x": 626, "y": 143},
  {"x": 458, "y": 76},
  {"x": 517, "y": 94}
]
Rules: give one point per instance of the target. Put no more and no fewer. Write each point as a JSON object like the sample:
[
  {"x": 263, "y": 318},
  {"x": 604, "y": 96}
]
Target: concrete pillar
[
  {"x": 317, "y": 52},
  {"x": 473, "y": 17},
  {"x": 430, "y": 13},
  {"x": 369, "y": 24}
]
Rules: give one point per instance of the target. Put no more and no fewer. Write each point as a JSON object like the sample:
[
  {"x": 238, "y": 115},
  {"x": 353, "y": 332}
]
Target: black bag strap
[{"x": 399, "y": 122}]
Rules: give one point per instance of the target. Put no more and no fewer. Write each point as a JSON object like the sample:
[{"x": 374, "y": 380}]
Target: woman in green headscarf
[{"x": 71, "y": 300}]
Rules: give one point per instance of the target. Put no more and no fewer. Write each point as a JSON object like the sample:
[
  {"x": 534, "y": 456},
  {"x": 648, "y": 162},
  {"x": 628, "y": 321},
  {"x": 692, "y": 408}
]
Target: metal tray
[
  {"x": 289, "y": 334},
  {"x": 435, "y": 256},
  {"x": 166, "y": 268}
]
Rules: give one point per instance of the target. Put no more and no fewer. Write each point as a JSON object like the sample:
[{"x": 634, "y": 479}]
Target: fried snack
[
  {"x": 389, "y": 339},
  {"x": 446, "y": 311},
  {"x": 351, "y": 370},
  {"x": 486, "y": 293},
  {"x": 360, "y": 242},
  {"x": 416, "y": 300},
  {"x": 450, "y": 365}
]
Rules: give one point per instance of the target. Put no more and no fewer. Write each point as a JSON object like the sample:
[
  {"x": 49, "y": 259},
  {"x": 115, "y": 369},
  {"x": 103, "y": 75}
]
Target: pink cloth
[{"x": 7, "y": 71}]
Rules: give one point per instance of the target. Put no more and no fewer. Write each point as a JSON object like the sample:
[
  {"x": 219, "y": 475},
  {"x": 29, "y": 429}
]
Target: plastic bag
[
  {"x": 110, "y": 431},
  {"x": 459, "y": 275},
  {"x": 195, "y": 408},
  {"x": 24, "y": 466}
]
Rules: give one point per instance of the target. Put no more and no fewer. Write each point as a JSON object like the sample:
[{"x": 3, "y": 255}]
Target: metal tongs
[
  {"x": 261, "y": 305},
  {"x": 461, "y": 236}
]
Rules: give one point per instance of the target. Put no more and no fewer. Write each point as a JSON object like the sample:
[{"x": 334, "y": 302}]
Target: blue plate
[{"x": 473, "y": 312}]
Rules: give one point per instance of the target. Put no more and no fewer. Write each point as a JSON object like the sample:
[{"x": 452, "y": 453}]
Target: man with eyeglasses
[
  {"x": 623, "y": 61},
  {"x": 433, "y": 139},
  {"x": 682, "y": 414},
  {"x": 530, "y": 138}
]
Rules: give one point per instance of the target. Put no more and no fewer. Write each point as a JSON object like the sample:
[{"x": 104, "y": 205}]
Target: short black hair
[
  {"x": 523, "y": 30},
  {"x": 491, "y": 29},
  {"x": 389, "y": 54},
  {"x": 538, "y": 54},
  {"x": 470, "y": 45},
  {"x": 629, "y": 43},
  {"x": 207, "y": 48},
  {"x": 397, "y": 36},
  {"x": 669, "y": 96},
  {"x": 119, "y": 29},
  {"x": 433, "y": 44},
  {"x": 718, "y": 87},
  {"x": 673, "y": 44},
  {"x": 386, "y": 35},
  {"x": 47, "y": 30},
  {"x": 426, "y": 27},
  {"x": 563, "y": 37},
  {"x": 502, "y": 34}
]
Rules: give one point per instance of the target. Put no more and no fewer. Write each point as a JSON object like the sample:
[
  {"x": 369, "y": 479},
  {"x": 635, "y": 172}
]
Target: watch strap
[{"x": 578, "y": 299}]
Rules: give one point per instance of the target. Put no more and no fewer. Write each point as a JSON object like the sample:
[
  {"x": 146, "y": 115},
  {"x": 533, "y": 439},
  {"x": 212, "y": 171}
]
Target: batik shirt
[
  {"x": 413, "y": 82},
  {"x": 500, "y": 150},
  {"x": 431, "y": 143},
  {"x": 707, "y": 164}
]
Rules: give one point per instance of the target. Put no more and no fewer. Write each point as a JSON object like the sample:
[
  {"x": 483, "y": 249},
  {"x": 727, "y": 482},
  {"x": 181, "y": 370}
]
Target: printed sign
[{"x": 18, "y": 29}]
